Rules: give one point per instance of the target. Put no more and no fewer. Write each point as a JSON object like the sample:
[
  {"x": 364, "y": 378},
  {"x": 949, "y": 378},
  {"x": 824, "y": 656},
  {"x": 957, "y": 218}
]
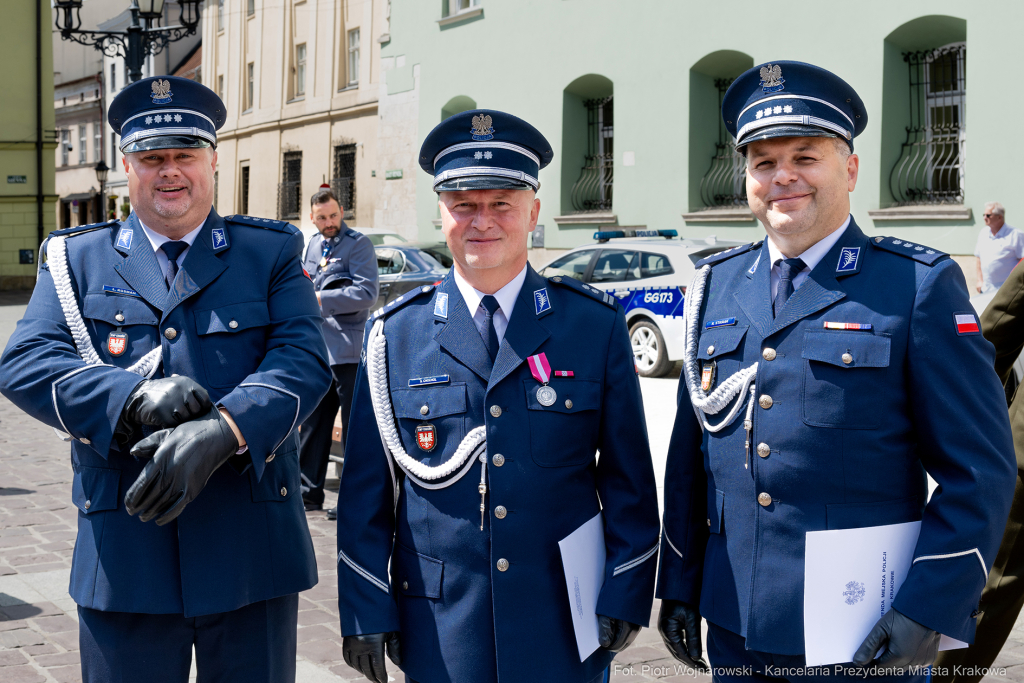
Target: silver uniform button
[
  {"x": 500, "y": 512},
  {"x": 170, "y": 333},
  {"x": 709, "y": 521},
  {"x": 498, "y": 459},
  {"x": 88, "y": 504},
  {"x": 233, "y": 324},
  {"x": 568, "y": 403},
  {"x": 764, "y": 500},
  {"x": 495, "y": 411},
  {"x": 271, "y": 457},
  {"x": 768, "y": 354},
  {"x": 426, "y": 288},
  {"x": 763, "y": 450},
  {"x": 765, "y": 401},
  {"x": 424, "y": 410},
  {"x": 502, "y": 565},
  {"x": 85, "y": 441},
  {"x": 405, "y": 585},
  {"x": 284, "y": 491},
  {"x": 119, "y": 318},
  {"x": 556, "y": 279},
  {"x": 711, "y": 349},
  {"x": 847, "y": 358}
]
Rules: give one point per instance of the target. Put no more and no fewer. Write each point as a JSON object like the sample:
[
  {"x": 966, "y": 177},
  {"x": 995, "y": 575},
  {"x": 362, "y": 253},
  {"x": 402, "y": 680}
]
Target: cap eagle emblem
[
  {"x": 482, "y": 129},
  {"x": 771, "y": 78},
  {"x": 161, "y": 91}
]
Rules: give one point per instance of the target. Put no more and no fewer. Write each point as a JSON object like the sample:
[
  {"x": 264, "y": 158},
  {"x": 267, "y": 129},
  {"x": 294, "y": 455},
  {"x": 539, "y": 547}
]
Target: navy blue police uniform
[
  {"x": 468, "y": 473},
  {"x": 241, "y": 319},
  {"x": 872, "y": 374}
]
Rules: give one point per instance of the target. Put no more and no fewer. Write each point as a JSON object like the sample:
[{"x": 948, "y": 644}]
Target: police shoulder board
[
  {"x": 913, "y": 250},
  {"x": 728, "y": 254},
  {"x": 583, "y": 288},
  {"x": 82, "y": 229},
  {"x": 400, "y": 301},
  {"x": 265, "y": 223},
  {"x": 354, "y": 234}
]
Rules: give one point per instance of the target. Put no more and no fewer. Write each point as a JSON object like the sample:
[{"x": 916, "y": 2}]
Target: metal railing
[
  {"x": 592, "y": 191},
  {"x": 930, "y": 169},
  {"x": 724, "y": 183}
]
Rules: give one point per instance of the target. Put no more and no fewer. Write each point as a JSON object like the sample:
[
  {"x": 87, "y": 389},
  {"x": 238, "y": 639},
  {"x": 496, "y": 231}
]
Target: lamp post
[
  {"x": 101, "y": 177},
  {"x": 143, "y": 37}
]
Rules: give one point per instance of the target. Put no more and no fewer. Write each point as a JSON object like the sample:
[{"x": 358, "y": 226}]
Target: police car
[{"x": 648, "y": 270}]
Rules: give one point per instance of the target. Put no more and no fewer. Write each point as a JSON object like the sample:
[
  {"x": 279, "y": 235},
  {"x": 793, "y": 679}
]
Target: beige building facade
[{"x": 300, "y": 81}]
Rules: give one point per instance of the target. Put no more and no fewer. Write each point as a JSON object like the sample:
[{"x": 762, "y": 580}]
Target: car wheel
[{"x": 649, "y": 351}]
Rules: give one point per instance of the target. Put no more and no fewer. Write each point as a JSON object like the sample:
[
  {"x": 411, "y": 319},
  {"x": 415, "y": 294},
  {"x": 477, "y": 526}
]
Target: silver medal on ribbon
[{"x": 546, "y": 396}]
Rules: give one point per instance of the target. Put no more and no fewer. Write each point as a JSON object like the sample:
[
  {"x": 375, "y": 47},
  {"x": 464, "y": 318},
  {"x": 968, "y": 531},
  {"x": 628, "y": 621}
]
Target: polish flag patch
[{"x": 966, "y": 323}]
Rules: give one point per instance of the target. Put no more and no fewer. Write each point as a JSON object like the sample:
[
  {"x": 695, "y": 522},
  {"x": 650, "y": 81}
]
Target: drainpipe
[{"x": 39, "y": 122}]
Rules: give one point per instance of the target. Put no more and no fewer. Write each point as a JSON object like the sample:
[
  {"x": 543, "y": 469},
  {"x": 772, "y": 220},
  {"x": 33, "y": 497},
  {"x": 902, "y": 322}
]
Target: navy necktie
[
  {"x": 173, "y": 251},
  {"x": 788, "y": 269},
  {"x": 327, "y": 250},
  {"x": 490, "y": 305}
]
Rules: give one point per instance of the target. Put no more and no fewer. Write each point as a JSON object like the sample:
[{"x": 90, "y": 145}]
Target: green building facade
[
  {"x": 628, "y": 94},
  {"x": 26, "y": 205}
]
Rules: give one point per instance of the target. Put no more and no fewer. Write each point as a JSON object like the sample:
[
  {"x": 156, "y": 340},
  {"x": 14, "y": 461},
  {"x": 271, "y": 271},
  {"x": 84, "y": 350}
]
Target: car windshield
[
  {"x": 572, "y": 265},
  {"x": 385, "y": 239},
  {"x": 440, "y": 253}
]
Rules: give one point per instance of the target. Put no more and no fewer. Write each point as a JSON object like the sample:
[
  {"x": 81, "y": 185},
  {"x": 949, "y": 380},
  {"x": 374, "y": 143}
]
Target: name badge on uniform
[
  {"x": 120, "y": 290},
  {"x": 541, "y": 371},
  {"x": 424, "y": 381},
  {"x": 724, "y": 322},
  {"x": 117, "y": 343},
  {"x": 426, "y": 437},
  {"x": 707, "y": 375}
]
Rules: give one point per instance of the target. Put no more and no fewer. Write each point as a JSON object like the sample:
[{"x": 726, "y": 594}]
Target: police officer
[
  {"x": 344, "y": 269},
  {"x": 825, "y": 372},
  {"x": 177, "y": 351},
  {"x": 491, "y": 395}
]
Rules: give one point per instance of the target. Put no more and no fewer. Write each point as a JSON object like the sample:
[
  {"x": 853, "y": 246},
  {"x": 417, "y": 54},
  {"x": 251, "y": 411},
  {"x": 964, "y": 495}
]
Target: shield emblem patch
[
  {"x": 117, "y": 343},
  {"x": 707, "y": 376},
  {"x": 426, "y": 437}
]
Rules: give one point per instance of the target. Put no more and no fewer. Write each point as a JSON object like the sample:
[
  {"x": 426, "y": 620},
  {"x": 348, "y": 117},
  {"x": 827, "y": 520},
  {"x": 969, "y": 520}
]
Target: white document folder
[
  {"x": 583, "y": 559},
  {"x": 851, "y": 577}
]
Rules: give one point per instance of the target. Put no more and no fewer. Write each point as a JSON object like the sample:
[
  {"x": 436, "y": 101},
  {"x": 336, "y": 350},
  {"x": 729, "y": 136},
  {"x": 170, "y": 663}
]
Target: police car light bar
[{"x": 605, "y": 235}]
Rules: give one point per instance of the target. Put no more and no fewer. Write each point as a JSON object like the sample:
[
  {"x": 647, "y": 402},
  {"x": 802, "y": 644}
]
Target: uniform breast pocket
[
  {"x": 842, "y": 373},
  {"x": 233, "y": 341},
  {"x": 719, "y": 344},
  {"x": 432, "y": 419},
  {"x": 564, "y": 433},
  {"x": 110, "y": 312}
]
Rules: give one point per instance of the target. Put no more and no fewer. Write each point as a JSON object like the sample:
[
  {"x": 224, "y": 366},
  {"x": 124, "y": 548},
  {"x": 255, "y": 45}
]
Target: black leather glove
[
  {"x": 183, "y": 459},
  {"x": 909, "y": 643},
  {"x": 365, "y": 654},
  {"x": 679, "y": 626},
  {"x": 615, "y": 634},
  {"x": 166, "y": 402}
]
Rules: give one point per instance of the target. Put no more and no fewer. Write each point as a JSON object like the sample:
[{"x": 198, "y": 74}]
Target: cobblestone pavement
[{"x": 39, "y": 623}]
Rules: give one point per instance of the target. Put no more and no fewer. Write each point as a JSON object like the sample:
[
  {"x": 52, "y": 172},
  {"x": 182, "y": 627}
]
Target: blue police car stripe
[
  {"x": 121, "y": 290},
  {"x": 342, "y": 557},
  {"x": 424, "y": 381},
  {"x": 632, "y": 564},
  {"x": 719, "y": 323}
]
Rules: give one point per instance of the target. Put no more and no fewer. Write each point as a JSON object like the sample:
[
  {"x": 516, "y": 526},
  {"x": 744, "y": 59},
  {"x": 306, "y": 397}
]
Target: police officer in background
[
  {"x": 178, "y": 350},
  {"x": 491, "y": 395},
  {"x": 343, "y": 266},
  {"x": 825, "y": 372}
]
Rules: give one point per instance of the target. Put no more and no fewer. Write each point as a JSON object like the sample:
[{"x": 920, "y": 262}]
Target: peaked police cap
[{"x": 166, "y": 112}]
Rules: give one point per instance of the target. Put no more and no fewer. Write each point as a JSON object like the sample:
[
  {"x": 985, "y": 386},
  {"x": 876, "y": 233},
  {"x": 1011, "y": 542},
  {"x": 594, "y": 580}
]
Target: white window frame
[
  {"x": 250, "y": 85},
  {"x": 300, "y": 70},
  {"x": 353, "y": 57},
  {"x": 97, "y": 140}
]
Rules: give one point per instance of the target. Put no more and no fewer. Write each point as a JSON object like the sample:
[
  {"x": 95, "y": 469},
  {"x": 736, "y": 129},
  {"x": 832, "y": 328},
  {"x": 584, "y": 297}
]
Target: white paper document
[
  {"x": 851, "y": 577},
  {"x": 583, "y": 559}
]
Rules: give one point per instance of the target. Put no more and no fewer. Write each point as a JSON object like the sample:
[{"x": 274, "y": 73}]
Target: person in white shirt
[{"x": 999, "y": 249}]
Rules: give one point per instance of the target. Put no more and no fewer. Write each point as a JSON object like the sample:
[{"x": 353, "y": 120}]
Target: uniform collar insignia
[
  {"x": 848, "y": 257},
  {"x": 124, "y": 238},
  {"x": 441, "y": 305},
  {"x": 219, "y": 237},
  {"x": 541, "y": 300}
]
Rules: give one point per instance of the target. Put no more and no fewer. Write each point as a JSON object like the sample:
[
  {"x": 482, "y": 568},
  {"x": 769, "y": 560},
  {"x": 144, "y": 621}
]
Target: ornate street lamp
[
  {"x": 101, "y": 176},
  {"x": 143, "y": 37}
]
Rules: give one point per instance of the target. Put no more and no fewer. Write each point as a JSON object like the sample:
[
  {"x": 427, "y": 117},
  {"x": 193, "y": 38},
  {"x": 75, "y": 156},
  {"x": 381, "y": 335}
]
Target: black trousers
[
  {"x": 315, "y": 435},
  {"x": 252, "y": 644}
]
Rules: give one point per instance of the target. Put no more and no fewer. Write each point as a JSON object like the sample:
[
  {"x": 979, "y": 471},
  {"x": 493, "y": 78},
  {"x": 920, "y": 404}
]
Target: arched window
[{"x": 588, "y": 135}]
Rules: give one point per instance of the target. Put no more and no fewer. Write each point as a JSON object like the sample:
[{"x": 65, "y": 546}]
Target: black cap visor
[
  {"x": 787, "y": 131},
  {"x": 166, "y": 142},
  {"x": 481, "y": 182}
]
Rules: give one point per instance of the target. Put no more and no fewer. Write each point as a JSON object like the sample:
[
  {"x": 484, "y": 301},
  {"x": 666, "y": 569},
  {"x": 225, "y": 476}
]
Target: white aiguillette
[
  {"x": 583, "y": 559},
  {"x": 851, "y": 577}
]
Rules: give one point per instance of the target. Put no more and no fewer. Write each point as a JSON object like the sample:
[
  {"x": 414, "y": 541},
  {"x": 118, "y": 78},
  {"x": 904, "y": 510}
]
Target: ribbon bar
[{"x": 540, "y": 368}]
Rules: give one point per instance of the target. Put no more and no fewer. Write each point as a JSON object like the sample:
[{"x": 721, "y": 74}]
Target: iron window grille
[
  {"x": 592, "y": 191},
  {"x": 343, "y": 182},
  {"x": 723, "y": 185},
  {"x": 289, "y": 192},
  {"x": 930, "y": 169}
]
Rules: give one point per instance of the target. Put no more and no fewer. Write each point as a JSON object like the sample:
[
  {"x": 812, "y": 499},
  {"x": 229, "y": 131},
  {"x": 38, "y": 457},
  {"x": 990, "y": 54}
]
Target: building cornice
[{"x": 299, "y": 121}]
